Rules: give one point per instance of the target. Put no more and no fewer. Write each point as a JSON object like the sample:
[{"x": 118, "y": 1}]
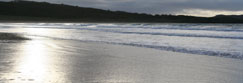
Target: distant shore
[
  {"x": 30, "y": 11},
  {"x": 63, "y": 21}
]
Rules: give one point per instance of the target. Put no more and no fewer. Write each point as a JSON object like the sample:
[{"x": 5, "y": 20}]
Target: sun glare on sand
[{"x": 34, "y": 64}]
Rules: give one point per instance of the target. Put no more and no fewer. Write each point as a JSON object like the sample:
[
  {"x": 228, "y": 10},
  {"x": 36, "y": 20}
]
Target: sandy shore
[{"x": 67, "y": 61}]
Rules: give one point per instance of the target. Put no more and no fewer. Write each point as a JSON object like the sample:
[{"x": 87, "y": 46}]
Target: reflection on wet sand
[
  {"x": 32, "y": 64},
  {"x": 44, "y": 61},
  {"x": 67, "y": 61}
]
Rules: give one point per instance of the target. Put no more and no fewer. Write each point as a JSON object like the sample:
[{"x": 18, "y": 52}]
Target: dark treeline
[{"x": 43, "y": 11}]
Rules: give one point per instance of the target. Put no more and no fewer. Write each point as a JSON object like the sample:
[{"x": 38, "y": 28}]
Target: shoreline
[
  {"x": 109, "y": 22},
  {"x": 32, "y": 21}
]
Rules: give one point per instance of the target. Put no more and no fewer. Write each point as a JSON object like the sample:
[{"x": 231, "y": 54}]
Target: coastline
[
  {"x": 48, "y": 60},
  {"x": 25, "y": 11},
  {"x": 111, "y": 22}
]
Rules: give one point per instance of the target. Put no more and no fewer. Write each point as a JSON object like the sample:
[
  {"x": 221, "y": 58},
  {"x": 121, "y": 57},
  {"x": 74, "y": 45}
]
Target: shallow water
[{"x": 224, "y": 40}]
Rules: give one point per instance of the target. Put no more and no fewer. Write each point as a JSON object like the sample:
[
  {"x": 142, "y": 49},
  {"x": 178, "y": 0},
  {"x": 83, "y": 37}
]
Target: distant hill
[
  {"x": 29, "y": 11},
  {"x": 238, "y": 17}
]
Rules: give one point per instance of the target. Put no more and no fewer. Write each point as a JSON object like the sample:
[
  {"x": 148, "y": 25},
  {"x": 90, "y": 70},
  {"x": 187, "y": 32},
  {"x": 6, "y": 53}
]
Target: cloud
[
  {"x": 161, "y": 6},
  {"x": 208, "y": 13}
]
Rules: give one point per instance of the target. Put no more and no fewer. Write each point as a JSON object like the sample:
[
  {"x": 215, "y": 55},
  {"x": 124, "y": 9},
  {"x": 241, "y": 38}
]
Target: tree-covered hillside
[{"x": 43, "y": 11}]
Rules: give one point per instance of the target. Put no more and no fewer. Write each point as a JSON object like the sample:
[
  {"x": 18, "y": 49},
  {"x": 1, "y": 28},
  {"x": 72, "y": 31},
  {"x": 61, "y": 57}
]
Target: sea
[{"x": 221, "y": 40}]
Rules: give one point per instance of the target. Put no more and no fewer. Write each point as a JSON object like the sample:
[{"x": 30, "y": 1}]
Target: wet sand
[{"x": 67, "y": 61}]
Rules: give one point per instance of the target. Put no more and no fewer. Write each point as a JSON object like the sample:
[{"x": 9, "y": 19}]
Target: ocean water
[{"x": 224, "y": 40}]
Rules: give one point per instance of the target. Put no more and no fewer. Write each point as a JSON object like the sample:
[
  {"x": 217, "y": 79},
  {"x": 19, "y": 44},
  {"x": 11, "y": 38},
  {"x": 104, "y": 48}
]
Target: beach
[{"x": 47, "y": 60}]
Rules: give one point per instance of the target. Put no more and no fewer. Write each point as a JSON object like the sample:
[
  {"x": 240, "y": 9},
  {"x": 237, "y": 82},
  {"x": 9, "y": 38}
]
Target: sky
[{"x": 204, "y": 8}]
